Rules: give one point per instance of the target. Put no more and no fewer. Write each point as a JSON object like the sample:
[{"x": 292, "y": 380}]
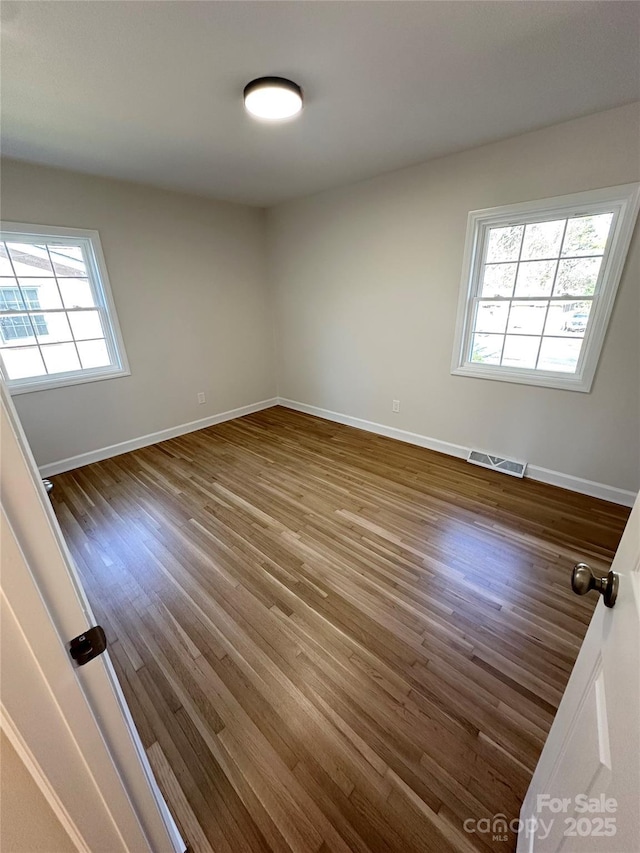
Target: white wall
[
  {"x": 189, "y": 283},
  {"x": 364, "y": 285},
  {"x": 366, "y": 282}
]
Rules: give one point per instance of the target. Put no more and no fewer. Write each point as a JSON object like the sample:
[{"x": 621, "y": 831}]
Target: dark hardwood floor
[{"x": 331, "y": 640}]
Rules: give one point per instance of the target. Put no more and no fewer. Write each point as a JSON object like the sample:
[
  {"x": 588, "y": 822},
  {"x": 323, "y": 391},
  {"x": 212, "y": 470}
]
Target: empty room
[{"x": 320, "y": 373}]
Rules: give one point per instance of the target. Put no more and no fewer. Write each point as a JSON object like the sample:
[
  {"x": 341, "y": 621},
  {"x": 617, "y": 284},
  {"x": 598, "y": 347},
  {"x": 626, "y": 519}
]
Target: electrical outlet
[
  {"x": 201, "y": 397},
  {"x": 395, "y": 405}
]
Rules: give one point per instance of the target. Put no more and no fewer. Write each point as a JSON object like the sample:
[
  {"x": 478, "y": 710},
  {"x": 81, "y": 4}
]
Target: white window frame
[
  {"x": 623, "y": 201},
  {"x": 101, "y": 289}
]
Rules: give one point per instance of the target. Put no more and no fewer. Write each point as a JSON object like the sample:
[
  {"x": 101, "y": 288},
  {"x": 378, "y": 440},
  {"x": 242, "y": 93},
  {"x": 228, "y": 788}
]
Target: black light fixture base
[{"x": 265, "y": 82}]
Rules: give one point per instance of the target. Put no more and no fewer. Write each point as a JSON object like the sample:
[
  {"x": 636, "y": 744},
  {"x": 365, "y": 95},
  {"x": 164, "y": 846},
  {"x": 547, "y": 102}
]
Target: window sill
[
  {"x": 20, "y": 387},
  {"x": 572, "y": 382}
]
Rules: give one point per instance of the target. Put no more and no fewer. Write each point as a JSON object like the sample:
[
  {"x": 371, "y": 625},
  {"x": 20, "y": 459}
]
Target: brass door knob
[{"x": 583, "y": 581}]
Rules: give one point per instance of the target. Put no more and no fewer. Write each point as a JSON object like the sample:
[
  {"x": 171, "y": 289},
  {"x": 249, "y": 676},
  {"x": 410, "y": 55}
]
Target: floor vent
[{"x": 497, "y": 463}]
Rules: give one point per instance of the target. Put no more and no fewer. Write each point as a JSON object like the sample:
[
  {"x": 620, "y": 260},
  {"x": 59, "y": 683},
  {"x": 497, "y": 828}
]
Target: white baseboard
[
  {"x": 72, "y": 462},
  {"x": 379, "y": 429},
  {"x": 533, "y": 472},
  {"x": 578, "y": 484}
]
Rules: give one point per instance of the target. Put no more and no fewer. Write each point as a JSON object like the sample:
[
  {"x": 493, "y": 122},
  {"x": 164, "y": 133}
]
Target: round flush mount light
[{"x": 272, "y": 98}]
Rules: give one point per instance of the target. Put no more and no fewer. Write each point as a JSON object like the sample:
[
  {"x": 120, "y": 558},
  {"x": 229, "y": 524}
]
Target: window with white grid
[
  {"x": 58, "y": 324},
  {"x": 538, "y": 287}
]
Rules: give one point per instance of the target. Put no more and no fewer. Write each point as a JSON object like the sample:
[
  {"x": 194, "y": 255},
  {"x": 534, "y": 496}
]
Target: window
[
  {"x": 58, "y": 324},
  {"x": 539, "y": 282}
]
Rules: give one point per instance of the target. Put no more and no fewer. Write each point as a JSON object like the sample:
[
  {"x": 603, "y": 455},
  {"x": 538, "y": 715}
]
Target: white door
[
  {"x": 585, "y": 792},
  {"x": 70, "y": 725}
]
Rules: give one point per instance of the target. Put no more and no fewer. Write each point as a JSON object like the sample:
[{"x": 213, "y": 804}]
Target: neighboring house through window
[
  {"x": 14, "y": 327},
  {"x": 539, "y": 282},
  {"x": 58, "y": 324}
]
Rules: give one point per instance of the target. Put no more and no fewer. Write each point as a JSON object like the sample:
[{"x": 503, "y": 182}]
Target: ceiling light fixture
[{"x": 272, "y": 98}]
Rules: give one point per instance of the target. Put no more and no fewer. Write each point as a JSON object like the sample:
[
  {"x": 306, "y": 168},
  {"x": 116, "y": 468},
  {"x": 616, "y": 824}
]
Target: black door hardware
[{"x": 88, "y": 646}]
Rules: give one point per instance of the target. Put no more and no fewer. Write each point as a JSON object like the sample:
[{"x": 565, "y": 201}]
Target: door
[
  {"x": 585, "y": 792},
  {"x": 71, "y": 726}
]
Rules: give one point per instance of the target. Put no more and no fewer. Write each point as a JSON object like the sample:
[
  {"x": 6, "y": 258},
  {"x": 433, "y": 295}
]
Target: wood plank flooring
[{"x": 330, "y": 640}]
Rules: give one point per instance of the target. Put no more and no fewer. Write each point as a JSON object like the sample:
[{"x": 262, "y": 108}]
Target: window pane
[
  {"x": 587, "y": 235},
  {"x": 577, "y": 277},
  {"x": 60, "y": 358},
  {"x": 16, "y": 331},
  {"x": 10, "y": 296},
  {"x": 94, "y": 354},
  {"x": 51, "y": 328},
  {"x": 67, "y": 260},
  {"x": 76, "y": 293},
  {"x": 520, "y": 351},
  {"x": 86, "y": 324},
  {"x": 498, "y": 279},
  {"x": 559, "y": 354},
  {"x": 535, "y": 278},
  {"x": 21, "y": 329},
  {"x": 5, "y": 263},
  {"x": 504, "y": 243},
  {"x": 567, "y": 318},
  {"x": 542, "y": 239},
  {"x": 30, "y": 260},
  {"x": 527, "y": 318},
  {"x": 30, "y": 297},
  {"x": 492, "y": 316},
  {"x": 23, "y": 363},
  {"x": 486, "y": 349},
  {"x": 41, "y": 292}
]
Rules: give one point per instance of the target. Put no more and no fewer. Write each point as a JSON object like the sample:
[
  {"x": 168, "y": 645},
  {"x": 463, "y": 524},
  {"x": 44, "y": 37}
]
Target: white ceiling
[{"x": 151, "y": 91}]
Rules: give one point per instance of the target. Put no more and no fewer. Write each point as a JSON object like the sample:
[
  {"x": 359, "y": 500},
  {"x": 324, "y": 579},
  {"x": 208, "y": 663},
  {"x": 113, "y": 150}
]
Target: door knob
[{"x": 583, "y": 580}]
